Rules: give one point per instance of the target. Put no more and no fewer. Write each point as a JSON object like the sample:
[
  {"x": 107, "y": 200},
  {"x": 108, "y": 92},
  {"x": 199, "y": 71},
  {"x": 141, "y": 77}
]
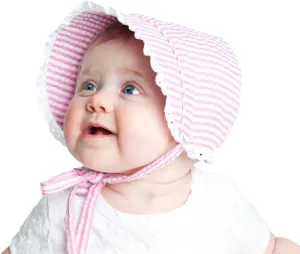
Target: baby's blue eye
[
  {"x": 130, "y": 89},
  {"x": 89, "y": 87}
]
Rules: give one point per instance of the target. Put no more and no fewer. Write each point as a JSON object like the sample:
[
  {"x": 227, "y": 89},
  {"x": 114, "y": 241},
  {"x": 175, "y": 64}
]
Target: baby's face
[{"x": 116, "y": 90}]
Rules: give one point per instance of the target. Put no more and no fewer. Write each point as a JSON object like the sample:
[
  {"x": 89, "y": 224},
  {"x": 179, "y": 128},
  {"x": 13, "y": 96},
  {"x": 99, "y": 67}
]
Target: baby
[{"x": 142, "y": 116}]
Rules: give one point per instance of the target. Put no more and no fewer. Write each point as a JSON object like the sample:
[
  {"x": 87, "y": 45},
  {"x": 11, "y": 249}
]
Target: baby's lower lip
[{"x": 96, "y": 136}]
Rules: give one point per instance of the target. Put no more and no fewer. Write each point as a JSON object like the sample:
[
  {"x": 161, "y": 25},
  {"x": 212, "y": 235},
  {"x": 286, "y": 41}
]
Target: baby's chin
[
  {"x": 111, "y": 165},
  {"x": 113, "y": 169}
]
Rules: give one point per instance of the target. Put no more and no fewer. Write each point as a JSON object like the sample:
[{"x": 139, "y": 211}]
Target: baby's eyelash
[
  {"x": 88, "y": 84},
  {"x": 82, "y": 87},
  {"x": 133, "y": 85}
]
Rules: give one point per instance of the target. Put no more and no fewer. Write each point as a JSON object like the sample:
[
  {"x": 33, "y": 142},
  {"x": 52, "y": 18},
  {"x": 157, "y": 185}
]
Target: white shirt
[{"x": 216, "y": 219}]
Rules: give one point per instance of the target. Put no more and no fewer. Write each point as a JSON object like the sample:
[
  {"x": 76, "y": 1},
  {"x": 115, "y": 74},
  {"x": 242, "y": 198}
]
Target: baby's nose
[{"x": 101, "y": 102}]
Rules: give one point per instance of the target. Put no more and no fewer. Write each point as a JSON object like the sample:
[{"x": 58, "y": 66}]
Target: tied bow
[{"x": 83, "y": 181}]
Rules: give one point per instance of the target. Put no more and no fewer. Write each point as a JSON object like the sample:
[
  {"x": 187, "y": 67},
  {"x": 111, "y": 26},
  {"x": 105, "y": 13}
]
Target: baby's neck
[{"x": 161, "y": 191}]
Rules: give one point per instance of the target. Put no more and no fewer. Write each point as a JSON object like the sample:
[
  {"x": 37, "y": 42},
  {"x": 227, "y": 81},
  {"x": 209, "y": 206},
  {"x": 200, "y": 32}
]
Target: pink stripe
[
  {"x": 207, "y": 96},
  {"x": 63, "y": 103},
  {"x": 58, "y": 115},
  {"x": 206, "y": 54},
  {"x": 58, "y": 111},
  {"x": 99, "y": 23},
  {"x": 62, "y": 110},
  {"x": 199, "y": 92},
  {"x": 87, "y": 24},
  {"x": 189, "y": 108},
  {"x": 70, "y": 222},
  {"x": 64, "y": 175},
  {"x": 193, "y": 97},
  {"x": 68, "y": 30},
  {"x": 201, "y": 39},
  {"x": 190, "y": 133},
  {"x": 212, "y": 75},
  {"x": 90, "y": 32},
  {"x": 158, "y": 42},
  {"x": 88, "y": 211},
  {"x": 215, "y": 105},
  {"x": 159, "y": 53},
  {"x": 85, "y": 218},
  {"x": 201, "y": 44},
  {"x": 198, "y": 125},
  {"x": 98, "y": 17},
  {"x": 61, "y": 68},
  {"x": 204, "y": 138},
  {"x": 210, "y": 61},
  {"x": 73, "y": 51},
  {"x": 71, "y": 57},
  {"x": 204, "y": 117},
  {"x": 59, "y": 95},
  {"x": 152, "y": 20},
  {"x": 176, "y": 151},
  {"x": 74, "y": 43},
  {"x": 164, "y": 62},
  {"x": 64, "y": 75},
  {"x": 146, "y": 29},
  {"x": 61, "y": 184},
  {"x": 62, "y": 61},
  {"x": 84, "y": 25},
  {"x": 59, "y": 188},
  {"x": 71, "y": 37},
  {"x": 201, "y": 66},
  {"x": 91, "y": 210},
  {"x": 48, "y": 189},
  {"x": 160, "y": 161},
  {"x": 60, "y": 123},
  {"x": 63, "y": 85},
  {"x": 101, "y": 26},
  {"x": 204, "y": 145},
  {"x": 59, "y": 82}
]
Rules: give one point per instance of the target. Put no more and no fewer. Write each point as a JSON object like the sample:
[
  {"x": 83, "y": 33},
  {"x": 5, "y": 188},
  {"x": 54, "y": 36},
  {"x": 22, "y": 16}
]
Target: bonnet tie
[{"x": 82, "y": 181}]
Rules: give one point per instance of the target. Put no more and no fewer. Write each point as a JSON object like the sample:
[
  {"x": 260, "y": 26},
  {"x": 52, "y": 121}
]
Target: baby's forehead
[
  {"x": 115, "y": 31},
  {"x": 125, "y": 55}
]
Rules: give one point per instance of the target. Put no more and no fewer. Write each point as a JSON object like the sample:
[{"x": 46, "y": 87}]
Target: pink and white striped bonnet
[{"x": 198, "y": 73}]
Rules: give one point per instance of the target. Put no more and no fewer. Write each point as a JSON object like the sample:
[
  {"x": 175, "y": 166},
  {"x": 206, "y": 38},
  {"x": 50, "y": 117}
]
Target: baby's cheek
[{"x": 72, "y": 122}]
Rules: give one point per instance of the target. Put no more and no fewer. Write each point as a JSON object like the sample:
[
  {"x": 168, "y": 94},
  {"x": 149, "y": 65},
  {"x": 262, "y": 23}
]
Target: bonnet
[{"x": 197, "y": 72}]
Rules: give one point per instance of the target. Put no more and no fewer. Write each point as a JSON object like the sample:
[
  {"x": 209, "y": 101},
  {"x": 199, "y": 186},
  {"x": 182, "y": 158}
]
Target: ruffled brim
[
  {"x": 198, "y": 73},
  {"x": 43, "y": 95}
]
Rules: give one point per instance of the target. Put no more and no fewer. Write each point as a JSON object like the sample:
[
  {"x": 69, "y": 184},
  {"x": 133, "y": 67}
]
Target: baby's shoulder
[
  {"x": 217, "y": 192},
  {"x": 223, "y": 209},
  {"x": 213, "y": 183}
]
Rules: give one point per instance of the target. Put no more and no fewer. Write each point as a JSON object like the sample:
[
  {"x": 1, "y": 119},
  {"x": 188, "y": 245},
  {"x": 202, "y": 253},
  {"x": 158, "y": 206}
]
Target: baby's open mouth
[{"x": 95, "y": 130}]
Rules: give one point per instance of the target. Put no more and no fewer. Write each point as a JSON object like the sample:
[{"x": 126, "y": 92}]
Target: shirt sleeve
[
  {"x": 32, "y": 237},
  {"x": 249, "y": 232}
]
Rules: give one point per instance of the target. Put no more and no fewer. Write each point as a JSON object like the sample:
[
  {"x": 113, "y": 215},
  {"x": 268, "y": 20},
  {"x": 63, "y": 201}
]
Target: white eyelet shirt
[{"x": 216, "y": 219}]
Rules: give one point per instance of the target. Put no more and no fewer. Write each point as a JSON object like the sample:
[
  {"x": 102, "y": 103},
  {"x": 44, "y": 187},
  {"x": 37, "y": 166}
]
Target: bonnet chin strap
[{"x": 82, "y": 181}]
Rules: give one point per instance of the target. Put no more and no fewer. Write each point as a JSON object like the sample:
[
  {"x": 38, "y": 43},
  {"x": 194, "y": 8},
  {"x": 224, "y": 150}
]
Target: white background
[{"x": 262, "y": 152}]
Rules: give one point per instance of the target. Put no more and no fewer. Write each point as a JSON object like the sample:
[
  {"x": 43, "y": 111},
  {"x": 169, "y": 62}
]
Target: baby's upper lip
[{"x": 97, "y": 125}]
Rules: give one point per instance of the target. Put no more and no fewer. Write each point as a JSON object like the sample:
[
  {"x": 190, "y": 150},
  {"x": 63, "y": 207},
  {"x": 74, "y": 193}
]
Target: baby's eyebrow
[
  {"x": 131, "y": 71},
  {"x": 86, "y": 71}
]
